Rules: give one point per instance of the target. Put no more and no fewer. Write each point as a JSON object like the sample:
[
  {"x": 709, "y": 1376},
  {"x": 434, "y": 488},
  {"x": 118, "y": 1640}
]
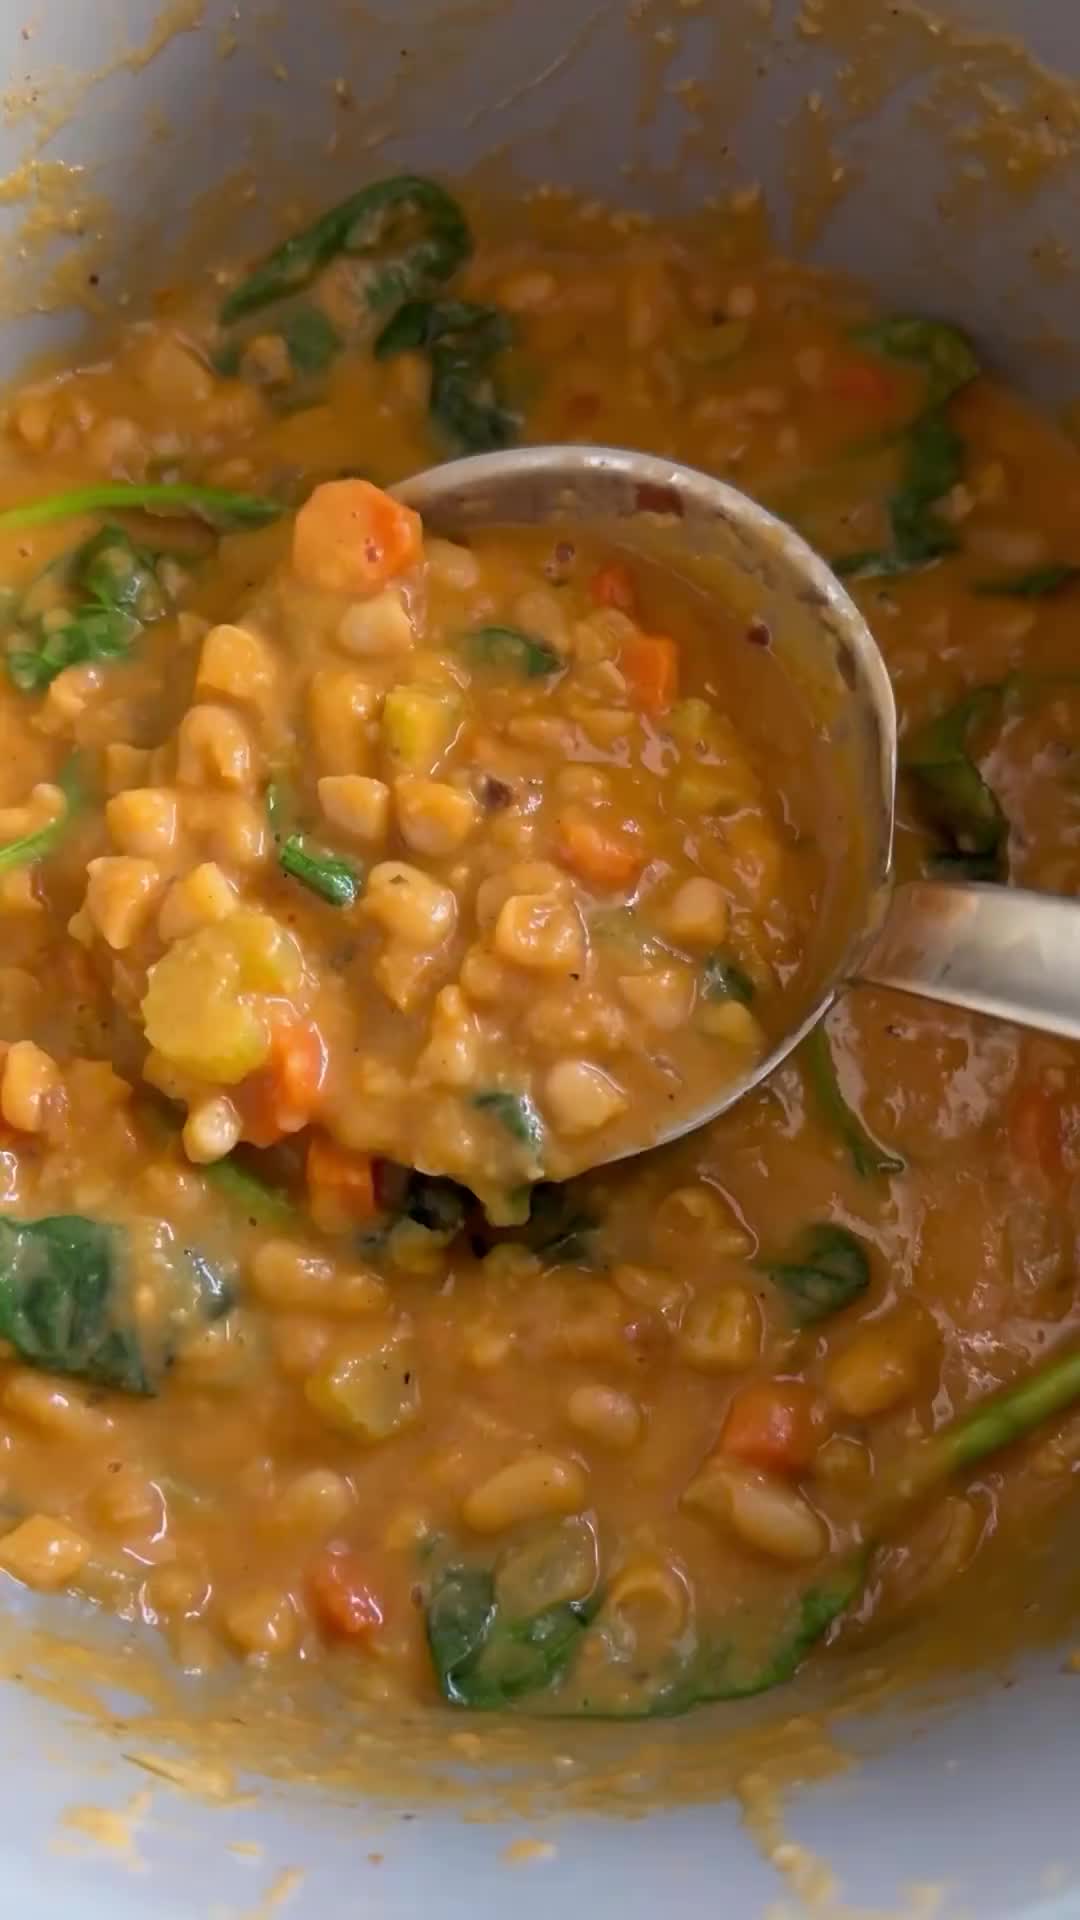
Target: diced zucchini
[
  {"x": 690, "y": 722},
  {"x": 419, "y": 724},
  {"x": 368, "y": 1390},
  {"x": 195, "y": 1010}
]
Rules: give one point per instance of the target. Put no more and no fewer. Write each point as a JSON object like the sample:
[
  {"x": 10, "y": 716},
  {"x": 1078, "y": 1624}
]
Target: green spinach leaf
[
  {"x": 311, "y": 339},
  {"x": 432, "y": 1203},
  {"x": 1038, "y": 583},
  {"x": 411, "y": 230},
  {"x": 943, "y": 352},
  {"x": 724, "y": 979},
  {"x": 106, "y": 593},
  {"x": 332, "y": 878},
  {"x": 264, "y": 1205},
  {"x": 462, "y": 340},
  {"x": 721, "y": 1670},
  {"x": 437, "y": 1203},
  {"x": 335, "y": 880},
  {"x": 517, "y": 1114},
  {"x": 933, "y": 464},
  {"x": 867, "y": 1156},
  {"x": 561, "y": 1228},
  {"x": 66, "y": 1301},
  {"x": 216, "y": 505},
  {"x": 511, "y": 649},
  {"x": 951, "y": 790},
  {"x": 485, "y": 1659},
  {"x": 827, "y": 1270},
  {"x": 35, "y": 846}
]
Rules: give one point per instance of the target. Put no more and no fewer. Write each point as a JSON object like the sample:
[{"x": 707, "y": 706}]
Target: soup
[{"x": 358, "y": 887}]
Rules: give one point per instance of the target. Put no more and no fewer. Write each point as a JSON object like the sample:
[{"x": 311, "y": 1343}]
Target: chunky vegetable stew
[{"x": 358, "y": 888}]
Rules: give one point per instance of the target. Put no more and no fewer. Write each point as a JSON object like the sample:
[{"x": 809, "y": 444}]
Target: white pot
[{"x": 978, "y": 1794}]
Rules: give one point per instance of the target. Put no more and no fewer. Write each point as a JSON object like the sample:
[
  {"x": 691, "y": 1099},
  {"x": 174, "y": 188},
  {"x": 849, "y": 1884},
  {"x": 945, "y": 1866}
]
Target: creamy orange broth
[{"x": 587, "y": 1448}]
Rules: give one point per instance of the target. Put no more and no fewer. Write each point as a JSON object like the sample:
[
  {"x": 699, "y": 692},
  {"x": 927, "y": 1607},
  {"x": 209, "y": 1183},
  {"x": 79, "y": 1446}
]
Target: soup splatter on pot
[{"x": 358, "y": 886}]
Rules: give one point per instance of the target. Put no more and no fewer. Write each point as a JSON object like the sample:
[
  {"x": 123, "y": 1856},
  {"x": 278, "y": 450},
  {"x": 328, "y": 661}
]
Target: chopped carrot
[
  {"x": 340, "y": 1597},
  {"x": 863, "y": 381},
  {"x": 612, "y": 586},
  {"x": 350, "y": 537},
  {"x": 1034, "y": 1129},
  {"x": 280, "y": 1097},
  {"x": 603, "y": 859},
  {"x": 341, "y": 1184},
  {"x": 775, "y": 1424},
  {"x": 650, "y": 664}
]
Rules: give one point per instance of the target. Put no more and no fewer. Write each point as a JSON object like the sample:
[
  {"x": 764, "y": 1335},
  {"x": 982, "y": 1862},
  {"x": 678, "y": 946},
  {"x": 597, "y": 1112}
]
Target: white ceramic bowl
[{"x": 160, "y": 105}]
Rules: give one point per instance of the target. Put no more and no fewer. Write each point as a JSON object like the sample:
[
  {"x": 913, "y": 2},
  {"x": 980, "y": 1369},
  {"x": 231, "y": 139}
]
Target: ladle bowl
[{"x": 997, "y": 950}]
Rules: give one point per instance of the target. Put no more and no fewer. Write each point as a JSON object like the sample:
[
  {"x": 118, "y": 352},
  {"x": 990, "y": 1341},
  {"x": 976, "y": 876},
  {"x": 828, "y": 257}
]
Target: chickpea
[
  {"x": 211, "y": 1130},
  {"x": 29, "y": 1082},
  {"x": 356, "y": 804},
  {"x": 410, "y": 905},
  {"x": 43, "y": 1553},
  {"x": 203, "y": 896},
  {"x": 697, "y": 916},
  {"x": 879, "y": 1370},
  {"x": 451, "y": 565},
  {"x": 535, "y": 931},
  {"x": 433, "y": 817},
  {"x": 605, "y": 1415},
  {"x": 527, "y": 876},
  {"x": 214, "y": 748},
  {"x": 313, "y": 1501},
  {"x": 580, "y": 1097},
  {"x": 452, "y": 1055},
  {"x": 262, "y": 1622},
  {"x": 764, "y": 1512},
  {"x": 143, "y": 820},
  {"x": 376, "y": 627},
  {"x": 342, "y": 706},
  {"x": 237, "y": 663},
  {"x": 534, "y": 1486},
  {"x": 540, "y": 611},
  {"x": 122, "y": 894},
  {"x": 664, "y": 997},
  {"x": 729, "y": 1020}
]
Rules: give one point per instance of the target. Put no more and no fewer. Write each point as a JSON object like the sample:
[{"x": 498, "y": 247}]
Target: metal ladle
[{"x": 997, "y": 950}]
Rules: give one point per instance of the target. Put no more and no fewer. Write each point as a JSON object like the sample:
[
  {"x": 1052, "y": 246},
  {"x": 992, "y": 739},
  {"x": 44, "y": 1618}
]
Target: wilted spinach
[
  {"x": 334, "y": 879},
  {"x": 952, "y": 792},
  {"x": 66, "y": 1301},
  {"x": 945, "y": 355},
  {"x": 867, "y": 1156},
  {"x": 462, "y": 341},
  {"x": 1038, "y": 583},
  {"x": 410, "y": 229},
  {"x": 220, "y": 508},
  {"x": 511, "y": 649},
  {"x": 933, "y": 464},
  {"x": 827, "y": 1269},
  {"x": 483, "y": 1657},
  {"x": 104, "y": 595},
  {"x": 485, "y": 1660},
  {"x": 724, "y": 979},
  {"x": 517, "y": 1114},
  {"x": 34, "y": 846},
  {"x": 934, "y": 452}
]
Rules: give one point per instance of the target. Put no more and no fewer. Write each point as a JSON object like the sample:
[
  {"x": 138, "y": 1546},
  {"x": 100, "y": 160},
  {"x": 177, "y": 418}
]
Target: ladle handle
[{"x": 997, "y": 950}]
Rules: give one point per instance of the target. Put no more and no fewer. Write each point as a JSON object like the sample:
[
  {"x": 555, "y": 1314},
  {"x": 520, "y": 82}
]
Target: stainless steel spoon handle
[{"x": 996, "y": 950}]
